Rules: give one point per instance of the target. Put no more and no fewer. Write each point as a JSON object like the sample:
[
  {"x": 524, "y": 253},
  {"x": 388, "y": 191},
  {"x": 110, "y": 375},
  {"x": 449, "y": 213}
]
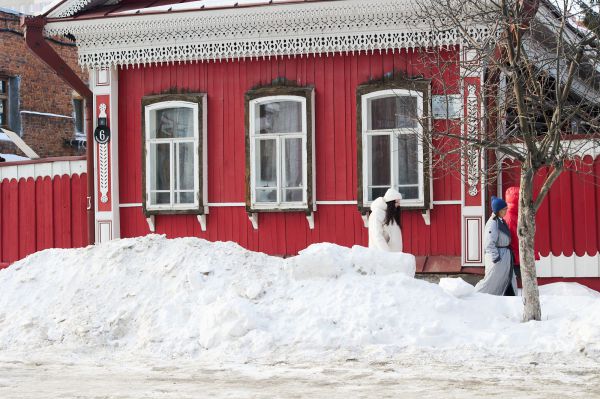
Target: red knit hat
[{"x": 512, "y": 196}]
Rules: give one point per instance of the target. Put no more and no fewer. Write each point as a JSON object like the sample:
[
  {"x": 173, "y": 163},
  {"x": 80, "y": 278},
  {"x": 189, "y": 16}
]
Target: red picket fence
[
  {"x": 41, "y": 212},
  {"x": 568, "y": 221}
]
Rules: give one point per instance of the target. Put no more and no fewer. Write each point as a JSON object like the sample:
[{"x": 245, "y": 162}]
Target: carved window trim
[
  {"x": 305, "y": 95},
  {"x": 197, "y": 102},
  {"x": 368, "y": 90}
]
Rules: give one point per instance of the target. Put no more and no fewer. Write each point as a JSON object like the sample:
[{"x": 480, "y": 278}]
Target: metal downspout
[{"x": 34, "y": 38}]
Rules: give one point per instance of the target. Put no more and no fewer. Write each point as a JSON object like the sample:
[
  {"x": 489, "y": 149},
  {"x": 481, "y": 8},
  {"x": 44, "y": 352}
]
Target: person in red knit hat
[{"x": 511, "y": 196}]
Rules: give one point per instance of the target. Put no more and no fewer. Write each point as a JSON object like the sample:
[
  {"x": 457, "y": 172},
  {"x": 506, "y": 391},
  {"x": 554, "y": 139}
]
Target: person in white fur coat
[{"x": 385, "y": 229}]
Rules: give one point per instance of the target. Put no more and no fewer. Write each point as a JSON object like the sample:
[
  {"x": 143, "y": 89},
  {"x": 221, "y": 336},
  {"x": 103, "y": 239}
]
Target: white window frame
[
  {"x": 280, "y": 148},
  {"x": 172, "y": 156},
  {"x": 392, "y": 133}
]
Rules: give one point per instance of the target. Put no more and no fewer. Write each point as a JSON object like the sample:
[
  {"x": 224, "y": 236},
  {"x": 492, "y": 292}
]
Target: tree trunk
[{"x": 526, "y": 233}]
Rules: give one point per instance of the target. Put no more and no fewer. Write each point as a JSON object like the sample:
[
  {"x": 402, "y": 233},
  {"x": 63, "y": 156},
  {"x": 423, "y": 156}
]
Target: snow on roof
[
  {"x": 9, "y": 11},
  {"x": 13, "y": 157},
  {"x": 199, "y": 4},
  {"x": 69, "y": 8}
]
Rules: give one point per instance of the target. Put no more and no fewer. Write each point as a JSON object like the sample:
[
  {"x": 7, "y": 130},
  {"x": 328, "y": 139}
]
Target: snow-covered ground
[{"x": 188, "y": 306}]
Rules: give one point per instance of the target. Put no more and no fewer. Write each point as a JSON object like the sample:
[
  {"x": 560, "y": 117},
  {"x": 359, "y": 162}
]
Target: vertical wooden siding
[
  {"x": 335, "y": 79},
  {"x": 568, "y": 221},
  {"x": 42, "y": 213}
]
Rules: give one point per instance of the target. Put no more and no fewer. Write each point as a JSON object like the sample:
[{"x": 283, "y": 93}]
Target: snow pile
[
  {"x": 568, "y": 289},
  {"x": 329, "y": 261},
  {"x": 375, "y": 262},
  {"x": 189, "y": 297},
  {"x": 456, "y": 286},
  {"x": 321, "y": 261}
]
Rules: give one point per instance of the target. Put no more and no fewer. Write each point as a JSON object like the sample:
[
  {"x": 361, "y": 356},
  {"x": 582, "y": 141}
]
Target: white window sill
[
  {"x": 172, "y": 209},
  {"x": 279, "y": 207}
]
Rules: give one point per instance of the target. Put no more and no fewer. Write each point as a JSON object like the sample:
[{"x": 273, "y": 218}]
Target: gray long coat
[{"x": 498, "y": 261}]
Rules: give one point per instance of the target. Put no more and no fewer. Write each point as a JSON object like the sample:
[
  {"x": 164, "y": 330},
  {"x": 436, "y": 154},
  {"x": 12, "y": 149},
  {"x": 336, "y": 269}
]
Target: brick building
[{"x": 34, "y": 101}]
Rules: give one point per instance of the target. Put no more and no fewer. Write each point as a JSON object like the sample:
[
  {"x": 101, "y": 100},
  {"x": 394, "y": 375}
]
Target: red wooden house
[{"x": 274, "y": 124}]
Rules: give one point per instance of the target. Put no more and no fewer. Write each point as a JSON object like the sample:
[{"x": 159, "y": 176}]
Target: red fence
[
  {"x": 41, "y": 212},
  {"x": 569, "y": 220}
]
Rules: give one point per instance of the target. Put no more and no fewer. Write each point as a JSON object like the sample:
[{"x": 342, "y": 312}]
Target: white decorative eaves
[
  {"x": 569, "y": 148},
  {"x": 307, "y": 28}
]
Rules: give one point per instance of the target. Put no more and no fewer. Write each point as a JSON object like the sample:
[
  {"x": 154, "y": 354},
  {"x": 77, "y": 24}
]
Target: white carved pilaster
[
  {"x": 106, "y": 169},
  {"x": 103, "y": 156},
  {"x": 472, "y": 134}
]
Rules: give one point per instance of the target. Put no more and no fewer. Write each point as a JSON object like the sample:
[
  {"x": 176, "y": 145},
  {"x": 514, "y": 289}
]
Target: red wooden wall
[
  {"x": 42, "y": 213},
  {"x": 335, "y": 78},
  {"x": 568, "y": 221}
]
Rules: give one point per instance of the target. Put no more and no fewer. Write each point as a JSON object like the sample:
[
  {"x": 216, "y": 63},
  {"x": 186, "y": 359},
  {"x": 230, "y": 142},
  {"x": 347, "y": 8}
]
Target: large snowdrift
[{"x": 193, "y": 298}]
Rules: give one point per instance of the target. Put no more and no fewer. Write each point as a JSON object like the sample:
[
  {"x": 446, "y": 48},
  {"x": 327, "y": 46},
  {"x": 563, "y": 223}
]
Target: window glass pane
[
  {"x": 161, "y": 172},
  {"x": 78, "y": 108},
  {"x": 293, "y": 163},
  {"x": 393, "y": 112},
  {"x": 409, "y": 192},
  {"x": 293, "y": 195},
  {"x": 377, "y": 192},
  {"x": 171, "y": 123},
  {"x": 3, "y": 112},
  {"x": 408, "y": 160},
  {"x": 184, "y": 178},
  {"x": 279, "y": 117},
  {"x": 379, "y": 160},
  {"x": 158, "y": 198},
  {"x": 186, "y": 198},
  {"x": 266, "y": 163},
  {"x": 266, "y": 195}
]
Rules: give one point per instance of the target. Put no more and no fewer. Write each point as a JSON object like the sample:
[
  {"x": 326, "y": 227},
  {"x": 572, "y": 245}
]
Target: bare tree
[{"x": 541, "y": 64}]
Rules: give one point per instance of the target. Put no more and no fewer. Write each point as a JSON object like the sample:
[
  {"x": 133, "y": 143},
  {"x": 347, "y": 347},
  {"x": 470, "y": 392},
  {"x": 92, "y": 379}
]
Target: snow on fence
[{"x": 42, "y": 205}]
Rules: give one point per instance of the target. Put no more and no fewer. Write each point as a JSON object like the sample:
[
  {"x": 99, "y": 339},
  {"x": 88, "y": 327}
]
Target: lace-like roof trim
[{"x": 307, "y": 28}]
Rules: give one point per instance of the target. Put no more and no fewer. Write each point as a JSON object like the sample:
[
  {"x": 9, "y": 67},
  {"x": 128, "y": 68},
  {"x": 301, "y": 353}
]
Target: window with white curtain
[
  {"x": 392, "y": 150},
  {"x": 174, "y": 144},
  {"x": 279, "y": 141}
]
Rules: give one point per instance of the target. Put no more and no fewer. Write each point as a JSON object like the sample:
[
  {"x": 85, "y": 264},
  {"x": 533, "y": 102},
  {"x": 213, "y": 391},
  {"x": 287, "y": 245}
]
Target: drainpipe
[{"x": 34, "y": 38}]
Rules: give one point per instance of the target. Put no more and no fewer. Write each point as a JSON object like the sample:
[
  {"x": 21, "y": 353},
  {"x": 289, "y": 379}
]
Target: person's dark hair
[{"x": 392, "y": 213}]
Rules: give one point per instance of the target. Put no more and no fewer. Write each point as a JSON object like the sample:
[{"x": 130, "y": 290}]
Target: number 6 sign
[{"x": 102, "y": 134}]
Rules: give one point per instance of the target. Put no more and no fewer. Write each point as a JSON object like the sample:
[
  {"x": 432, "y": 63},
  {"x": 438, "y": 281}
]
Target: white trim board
[
  {"x": 568, "y": 266},
  {"x": 46, "y": 169},
  {"x": 243, "y": 204}
]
